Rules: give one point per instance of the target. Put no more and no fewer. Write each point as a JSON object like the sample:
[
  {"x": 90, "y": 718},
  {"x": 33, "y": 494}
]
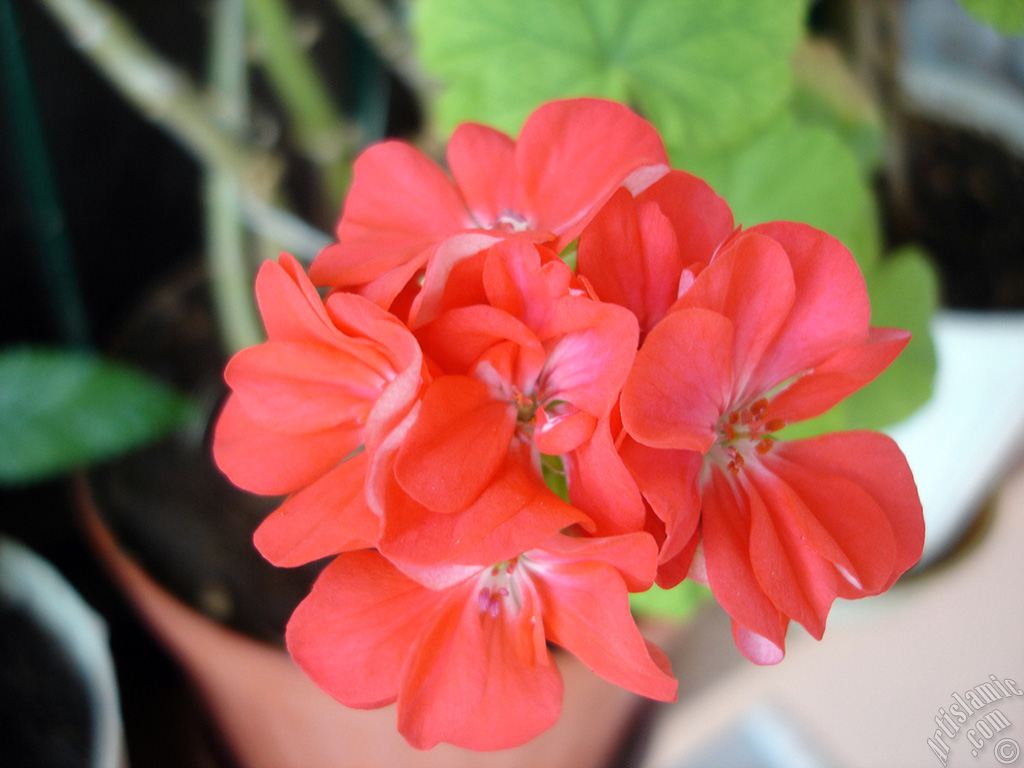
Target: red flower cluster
[{"x": 419, "y": 417}]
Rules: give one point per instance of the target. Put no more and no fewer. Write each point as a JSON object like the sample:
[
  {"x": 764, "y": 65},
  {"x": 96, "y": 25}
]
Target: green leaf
[
  {"x": 676, "y": 603},
  {"x": 707, "y": 73},
  {"x": 1006, "y": 16},
  {"x": 62, "y": 409},
  {"x": 904, "y": 293},
  {"x": 797, "y": 172}
]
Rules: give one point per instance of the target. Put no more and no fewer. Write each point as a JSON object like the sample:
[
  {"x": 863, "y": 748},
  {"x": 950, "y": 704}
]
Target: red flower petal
[
  {"x": 456, "y": 445},
  {"x": 352, "y": 633},
  {"x": 572, "y": 155},
  {"x": 273, "y": 463},
  {"x": 726, "y": 530},
  {"x": 600, "y": 485},
  {"x": 289, "y": 304},
  {"x": 630, "y": 255},
  {"x": 668, "y": 480},
  {"x": 838, "y": 377},
  {"x": 799, "y": 581},
  {"x": 830, "y": 310},
  {"x": 400, "y": 204},
  {"x": 586, "y": 611},
  {"x": 679, "y": 385},
  {"x": 325, "y": 518},
  {"x": 875, "y": 464},
  {"x": 482, "y": 161},
  {"x": 479, "y": 681},
  {"x": 751, "y": 283}
]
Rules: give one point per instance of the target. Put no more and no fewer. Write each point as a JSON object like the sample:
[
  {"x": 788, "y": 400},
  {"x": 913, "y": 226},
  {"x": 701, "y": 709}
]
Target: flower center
[
  {"x": 498, "y": 589},
  {"x": 742, "y": 430},
  {"x": 511, "y": 221}
]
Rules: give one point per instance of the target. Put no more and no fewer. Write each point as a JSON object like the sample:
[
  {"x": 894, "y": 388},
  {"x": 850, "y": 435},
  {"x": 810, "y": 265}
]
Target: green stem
[
  {"x": 161, "y": 91},
  {"x": 230, "y": 272},
  {"x": 49, "y": 227},
  {"x": 325, "y": 138}
]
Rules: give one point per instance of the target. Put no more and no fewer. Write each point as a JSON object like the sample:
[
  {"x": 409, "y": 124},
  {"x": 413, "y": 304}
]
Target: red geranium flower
[
  {"x": 774, "y": 331},
  {"x": 463, "y": 648},
  {"x": 571, "y": 155},
  {"x": 330, "y": 376}
]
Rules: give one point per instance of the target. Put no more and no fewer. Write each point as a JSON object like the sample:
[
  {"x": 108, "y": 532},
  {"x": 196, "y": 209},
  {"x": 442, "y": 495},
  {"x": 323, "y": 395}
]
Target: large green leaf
[
  {"x": 1006, "y": 16},
  {"x": 61, "y": 409},
  {"x": 705, "y": 72},
  {"x": 797, "y": 172}
]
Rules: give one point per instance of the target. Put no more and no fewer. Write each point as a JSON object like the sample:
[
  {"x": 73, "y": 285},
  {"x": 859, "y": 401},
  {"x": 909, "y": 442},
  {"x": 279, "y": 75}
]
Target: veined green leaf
[{"x": 707, "y": 73}]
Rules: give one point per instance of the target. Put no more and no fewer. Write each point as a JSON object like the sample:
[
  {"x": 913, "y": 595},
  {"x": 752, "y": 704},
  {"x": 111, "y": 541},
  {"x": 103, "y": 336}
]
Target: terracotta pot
[{"x": 272, "y": 716}]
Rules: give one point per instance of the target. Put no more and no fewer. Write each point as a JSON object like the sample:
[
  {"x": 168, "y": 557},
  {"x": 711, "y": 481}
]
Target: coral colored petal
[
  {"x": 838, "y": 377},
  {"x": 589, "y": 362},
  {"x": 272, "y": 463},
  {"x": 875, "y": 464},
  {"x": 799, "y": 581},
  {"x": 673, "y": 570},
  {"x": 299, "y": 388},
  {"x": 700, "y": 218},
  {"x": 527, "y": 281},
  {"x": 830, "y": 310},
  {"x": 476, "y": 681},
  {"x": 353, "y": 631},
  {"x": 851, "y": 519},
  {"x": 325, "y": 518},
  {"x": 633, "y": 555},
  {"x": 572, "y": 155},
  {"x": 586, "y": 611},
  {"x": 758, "y": 648},
  {"x": 400, "y": 204},
  {"x": 601, "y": 486},
  {"x": 515, "y": 513},
  {"x": 456, "y": 445},
  {"x": 560, "y": 433},
  {"x": 289, "y": 304},
  {"x": 458, "y": 339},
  {"x": 447, "y": 283},
  {"x": 726, "y": 531},
  {"x": 751, "y": 283},
  {"x": 631, "y": 258},
  {"x": 668, "y": 480},
  {"x": 679, "y": 385},
  {"x": 483, "y": 163}
]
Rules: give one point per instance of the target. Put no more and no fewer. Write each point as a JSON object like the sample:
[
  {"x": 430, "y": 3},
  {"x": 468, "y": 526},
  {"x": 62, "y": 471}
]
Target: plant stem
[
  {"x": 49, "y": 227},
  {"x": 161, "y": 92},
  {"x": 390, "y": 40},
  {"x": 325, "y": 138},
  {"x": 229, "y": 270}
]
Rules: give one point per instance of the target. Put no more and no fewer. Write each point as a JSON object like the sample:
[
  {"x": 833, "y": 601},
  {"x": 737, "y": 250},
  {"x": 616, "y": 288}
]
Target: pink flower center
[
  {"x": 742, "y": 431},
  {"x": 511, "y": 221},
  {"x": 498, "y": 589}
]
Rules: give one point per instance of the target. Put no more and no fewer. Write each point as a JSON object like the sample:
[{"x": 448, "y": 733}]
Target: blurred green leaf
[
  {"x": 707, "y": 73},
  {"x": 797, "y": 172},
  {"x": 676, "y": 603},
  {"x": 1006, "y": 16},
  {"x": 63, "y": 409}
]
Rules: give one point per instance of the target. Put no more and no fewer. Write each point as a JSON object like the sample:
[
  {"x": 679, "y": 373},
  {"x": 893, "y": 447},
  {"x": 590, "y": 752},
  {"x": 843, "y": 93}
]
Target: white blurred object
[
  {"x": 962, "y": 441},
  {"x": 29, "y": 582}
]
